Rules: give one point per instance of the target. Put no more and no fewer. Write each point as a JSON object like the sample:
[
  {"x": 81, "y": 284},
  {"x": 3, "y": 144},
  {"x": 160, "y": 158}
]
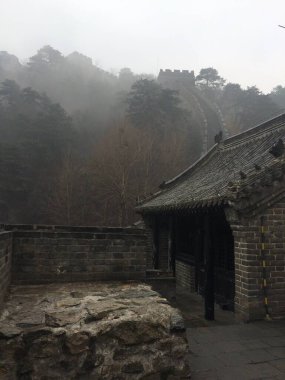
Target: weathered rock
[
  {"x": 177, "y": 322},
  {"x": 77, "y": 342},
  {"x": 92, "y": 331},
  {"x": 137, "y": 331},
  {"x": 59, "y": 318},
  {"x": 33, "y": 320},
  {"x": 102, "y": 309},
  {"x": 133, "y": 367},
  {"x": 7, "y": 331}
]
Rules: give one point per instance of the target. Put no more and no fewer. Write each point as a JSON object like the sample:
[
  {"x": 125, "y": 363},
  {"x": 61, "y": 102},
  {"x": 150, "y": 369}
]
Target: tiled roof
[{"x": 236, "y": 165}]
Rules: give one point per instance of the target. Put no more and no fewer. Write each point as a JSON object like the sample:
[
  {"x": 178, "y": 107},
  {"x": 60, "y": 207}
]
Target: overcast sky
[{"x": 240, "y": 38}]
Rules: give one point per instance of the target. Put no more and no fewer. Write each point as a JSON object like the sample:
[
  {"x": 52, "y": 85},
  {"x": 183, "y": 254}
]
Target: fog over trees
[{"x": 80, "y": 145}]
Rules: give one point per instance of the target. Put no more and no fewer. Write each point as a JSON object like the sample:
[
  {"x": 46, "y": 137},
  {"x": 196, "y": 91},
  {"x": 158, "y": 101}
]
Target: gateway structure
[{"x": 219, "y": 226}]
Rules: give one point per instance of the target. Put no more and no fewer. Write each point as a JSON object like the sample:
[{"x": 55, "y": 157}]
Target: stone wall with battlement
[{"x": 182, "y": 76}]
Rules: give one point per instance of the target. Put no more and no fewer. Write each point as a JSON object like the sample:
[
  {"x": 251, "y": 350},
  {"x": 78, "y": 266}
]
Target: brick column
[
  {"x": 149, "y": 227},
  {"x": 248, "y": 270},
  {"x": 249, "y": 274},
  {"x": 274, "y": 231}
]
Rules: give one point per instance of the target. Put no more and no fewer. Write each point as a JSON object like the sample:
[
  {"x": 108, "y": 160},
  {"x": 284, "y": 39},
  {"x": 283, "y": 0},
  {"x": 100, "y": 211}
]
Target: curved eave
[
  {"x": 172, "y": 182},
  {"x": 193, "y": 206},
  {"x": 158, "y": 202},
  {"x": 240, "y": 138}
]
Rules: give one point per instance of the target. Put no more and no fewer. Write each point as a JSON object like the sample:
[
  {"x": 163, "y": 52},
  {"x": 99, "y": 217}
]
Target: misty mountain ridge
[
  {"x": 105, "y": 140},
  {"x": 79, "y": 85}
]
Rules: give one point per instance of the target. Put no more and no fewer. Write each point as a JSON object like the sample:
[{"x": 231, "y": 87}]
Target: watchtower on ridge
[{"x": 174, "y": 79}]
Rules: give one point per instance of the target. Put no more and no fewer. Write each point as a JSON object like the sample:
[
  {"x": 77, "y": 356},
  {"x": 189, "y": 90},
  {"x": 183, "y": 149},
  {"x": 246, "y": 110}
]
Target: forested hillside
[{"x": 80, "y": 145}]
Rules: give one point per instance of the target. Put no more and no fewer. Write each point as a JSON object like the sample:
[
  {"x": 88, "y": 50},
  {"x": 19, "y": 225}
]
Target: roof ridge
[
  {"x": 226, "y": 143},
  {"x": 266, "y": 126},
  {"x": 242, "y": 160}
]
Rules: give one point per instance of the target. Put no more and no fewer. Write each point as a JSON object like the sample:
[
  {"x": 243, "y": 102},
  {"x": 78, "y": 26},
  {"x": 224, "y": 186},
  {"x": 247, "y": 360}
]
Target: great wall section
[{"x": 207, "y": 113}]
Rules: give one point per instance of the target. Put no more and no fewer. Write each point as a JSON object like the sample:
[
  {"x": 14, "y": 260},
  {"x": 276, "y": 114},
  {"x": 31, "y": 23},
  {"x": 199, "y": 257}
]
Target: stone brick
[
  {"x": 249, "y": 297},
  {"x": 52, "y": 254},
  {"x": 185, "y": 275},
  {"x": 5, "y": 263}
]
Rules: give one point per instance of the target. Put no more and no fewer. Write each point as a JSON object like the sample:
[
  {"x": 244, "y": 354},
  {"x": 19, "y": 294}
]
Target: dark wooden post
[
  {"x": 173, "y": 250},
  {"x": 209, "y": 271},
  {"x": 198, "y": 248},
  {"x": 170, "y": 242},
  {"x": 155, "y": 249}
]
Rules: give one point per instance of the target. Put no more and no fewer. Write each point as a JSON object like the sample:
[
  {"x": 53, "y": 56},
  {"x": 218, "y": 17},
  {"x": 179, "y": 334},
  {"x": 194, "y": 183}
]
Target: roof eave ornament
[
  {"x": 219, "y": 137},
  {"x": 278, "y": 149}
]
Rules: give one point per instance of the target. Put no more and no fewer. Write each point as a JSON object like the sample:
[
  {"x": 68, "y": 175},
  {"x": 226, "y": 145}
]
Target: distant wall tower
[{"x": 176, "y": 78}]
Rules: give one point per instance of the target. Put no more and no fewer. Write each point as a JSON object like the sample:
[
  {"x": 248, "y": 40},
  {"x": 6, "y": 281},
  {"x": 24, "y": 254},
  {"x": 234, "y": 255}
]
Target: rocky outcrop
[{"x": 91, "y": 331}]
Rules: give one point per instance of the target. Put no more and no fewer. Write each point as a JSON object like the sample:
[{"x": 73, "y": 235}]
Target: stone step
[
  {"x": 158, "y": 274},
  {"x": 160, "y": 278}
]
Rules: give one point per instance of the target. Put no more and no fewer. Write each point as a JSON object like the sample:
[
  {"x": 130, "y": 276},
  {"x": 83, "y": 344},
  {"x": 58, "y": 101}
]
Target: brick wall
[
  {"x": 162, "y": 230},
  {"x": 5, "y": 263},
  {"x": 248, "y": 271},
  {"x": 249, "y": 297},
  {"x": 185, "y": 275},
  {"x": 149, "y": 251},
  {"x": 44, "y": 254},
  {"x": 163, "y": 245}
]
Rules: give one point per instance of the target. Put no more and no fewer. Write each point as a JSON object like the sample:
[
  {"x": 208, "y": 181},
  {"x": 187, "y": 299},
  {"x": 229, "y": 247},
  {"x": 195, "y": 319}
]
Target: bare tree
[{"x": 67, "y": 202}]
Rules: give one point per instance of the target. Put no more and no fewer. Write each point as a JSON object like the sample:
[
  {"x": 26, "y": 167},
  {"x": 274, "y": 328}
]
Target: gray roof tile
[{"x": 210, "y": 180}]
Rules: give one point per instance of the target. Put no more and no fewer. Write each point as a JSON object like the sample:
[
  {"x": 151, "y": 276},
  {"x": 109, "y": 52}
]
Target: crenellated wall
[{"x": 175, "y": 77}]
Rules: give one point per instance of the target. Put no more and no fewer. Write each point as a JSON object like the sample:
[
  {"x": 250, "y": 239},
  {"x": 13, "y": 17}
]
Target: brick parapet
[
  {"x": 72, "y": 254},
  {"x": 59, "y": 228},
  {"x": 34, "y": 254},
  {"x": 6, "y": 246}
]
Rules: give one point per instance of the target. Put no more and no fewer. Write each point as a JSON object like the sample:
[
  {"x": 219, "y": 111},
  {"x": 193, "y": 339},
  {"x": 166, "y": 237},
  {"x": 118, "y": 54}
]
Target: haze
[{"x": 240, "y": 38}]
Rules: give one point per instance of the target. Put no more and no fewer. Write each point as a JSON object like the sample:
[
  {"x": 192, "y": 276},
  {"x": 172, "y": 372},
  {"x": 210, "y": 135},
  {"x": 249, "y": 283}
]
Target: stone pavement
[
  {"x": 239, "y": 351},
  {"x": 225, "y": 349}
]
